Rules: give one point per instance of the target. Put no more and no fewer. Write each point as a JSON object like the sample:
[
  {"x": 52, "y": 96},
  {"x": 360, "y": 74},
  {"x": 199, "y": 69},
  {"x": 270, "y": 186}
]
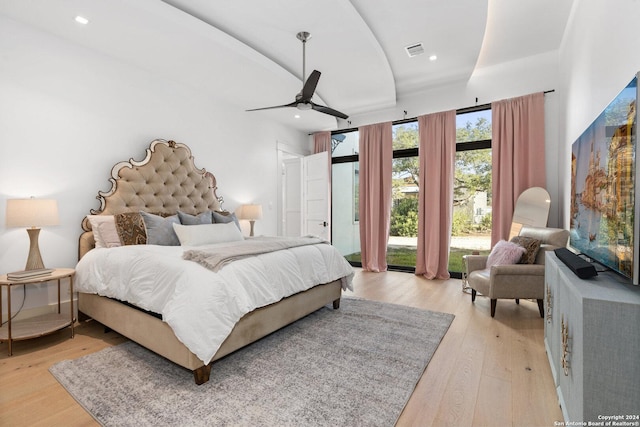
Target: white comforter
[{"x": 201, "y": 306}]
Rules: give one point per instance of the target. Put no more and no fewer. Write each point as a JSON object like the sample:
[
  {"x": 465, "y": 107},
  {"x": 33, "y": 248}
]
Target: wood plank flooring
[{"x": 486, "y": 372}]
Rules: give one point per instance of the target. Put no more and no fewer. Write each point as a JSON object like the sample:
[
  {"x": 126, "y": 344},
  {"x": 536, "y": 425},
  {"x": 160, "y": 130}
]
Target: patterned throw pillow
[
  {"x": 531, "y": 247},
  {"x": 131, "y": 228}
]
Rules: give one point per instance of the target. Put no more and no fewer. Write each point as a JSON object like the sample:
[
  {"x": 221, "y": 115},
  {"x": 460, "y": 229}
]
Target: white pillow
[
  {"x": 104, "y": 231},
  {"x": 206, "y": 234}
]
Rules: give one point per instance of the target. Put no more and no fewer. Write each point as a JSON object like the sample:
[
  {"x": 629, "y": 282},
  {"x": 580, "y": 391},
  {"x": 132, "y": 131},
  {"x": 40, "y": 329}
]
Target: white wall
[
  {"x": 600, "y": 54},
  {"x": 68, "y": 114}
]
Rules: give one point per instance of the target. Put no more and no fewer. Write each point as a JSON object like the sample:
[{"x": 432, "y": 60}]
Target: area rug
[{"x": 356, "y": 366}]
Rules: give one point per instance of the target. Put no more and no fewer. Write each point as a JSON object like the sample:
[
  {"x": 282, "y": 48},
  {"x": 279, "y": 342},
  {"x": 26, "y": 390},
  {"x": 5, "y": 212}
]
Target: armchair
[{"x": 517, "y": 280}]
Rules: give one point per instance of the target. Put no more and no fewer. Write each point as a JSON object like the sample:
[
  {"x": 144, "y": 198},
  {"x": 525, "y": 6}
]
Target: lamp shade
[
  {"x": 32, "y": 212},
  {"x": 250, "y": 212}
]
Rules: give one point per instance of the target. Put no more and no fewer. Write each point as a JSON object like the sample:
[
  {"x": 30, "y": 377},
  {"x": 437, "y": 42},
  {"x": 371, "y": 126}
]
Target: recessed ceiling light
[
  {"x": 433, "y": 57},
  {"x": 82, "y": 20},
  {"x": 297, "y": 116}
]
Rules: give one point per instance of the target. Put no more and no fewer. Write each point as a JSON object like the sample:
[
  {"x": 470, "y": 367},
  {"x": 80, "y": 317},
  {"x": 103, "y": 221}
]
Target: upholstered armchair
[{"x": 515, "y": 281}]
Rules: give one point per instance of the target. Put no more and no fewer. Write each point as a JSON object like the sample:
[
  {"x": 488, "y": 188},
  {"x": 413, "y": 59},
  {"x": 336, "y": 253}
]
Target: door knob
[{"x": 324, "y": 223}]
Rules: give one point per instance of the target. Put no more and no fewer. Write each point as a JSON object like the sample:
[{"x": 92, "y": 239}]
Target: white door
[
  {"x": 292, "y": 197},
  {"x": 315, "y": 196}
]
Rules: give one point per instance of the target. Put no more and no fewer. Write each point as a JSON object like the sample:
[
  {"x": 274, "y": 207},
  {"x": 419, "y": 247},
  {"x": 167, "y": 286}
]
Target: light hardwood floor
[{"x": 486, "y": 372}]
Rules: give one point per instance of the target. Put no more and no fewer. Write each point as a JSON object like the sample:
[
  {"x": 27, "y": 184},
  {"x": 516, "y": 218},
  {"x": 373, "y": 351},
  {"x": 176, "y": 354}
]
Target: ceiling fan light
[{"x": 303, "y": 106}]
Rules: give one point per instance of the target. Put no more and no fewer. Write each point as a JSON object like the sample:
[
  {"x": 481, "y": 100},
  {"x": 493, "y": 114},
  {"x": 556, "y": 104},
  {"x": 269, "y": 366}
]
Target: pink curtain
[
  {"x": 518, "y": 159},
  {"x": 322, "y": 142},
  {"x": 437, "y": 159},
  {"x": 376, "y": 162}
]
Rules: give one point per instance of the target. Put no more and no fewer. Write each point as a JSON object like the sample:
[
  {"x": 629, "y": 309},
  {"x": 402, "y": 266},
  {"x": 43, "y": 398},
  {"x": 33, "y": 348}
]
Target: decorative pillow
[
  {"x": 505, "y": 253},
  {"x": 531, "y": 247},
  {"x": 104, "y": 227},
  {"x": 109, "y": 234},
  {"x": 160, "y": 230},
  {"x": 203, "y": 218},
  {"x": 223, "y": 218},
  {"x": 206, "y": 234},
  {"x": 130, "y": 227}
]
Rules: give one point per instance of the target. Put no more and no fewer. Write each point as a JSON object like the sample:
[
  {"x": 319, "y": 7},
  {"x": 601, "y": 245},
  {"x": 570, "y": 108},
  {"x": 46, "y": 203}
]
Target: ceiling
[{"x": 246, "y": 53}]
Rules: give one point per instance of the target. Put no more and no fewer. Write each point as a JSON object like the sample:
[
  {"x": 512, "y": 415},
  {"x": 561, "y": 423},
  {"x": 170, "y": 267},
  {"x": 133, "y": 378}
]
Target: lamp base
[
  {"x": 252, "y": 222},
  {"x": 34, "y": 260}
]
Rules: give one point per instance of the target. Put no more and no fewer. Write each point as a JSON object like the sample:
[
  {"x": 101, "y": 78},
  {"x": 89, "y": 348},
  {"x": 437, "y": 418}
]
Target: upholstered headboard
[{"x": 165, "y": 181}]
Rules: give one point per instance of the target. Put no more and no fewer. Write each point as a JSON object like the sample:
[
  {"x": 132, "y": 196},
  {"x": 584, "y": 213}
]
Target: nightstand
[{"x": 40, "y": 325}]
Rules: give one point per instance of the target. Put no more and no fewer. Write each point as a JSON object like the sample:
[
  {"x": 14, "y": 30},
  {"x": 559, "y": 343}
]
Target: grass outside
[{"x": 406, "y": 256}]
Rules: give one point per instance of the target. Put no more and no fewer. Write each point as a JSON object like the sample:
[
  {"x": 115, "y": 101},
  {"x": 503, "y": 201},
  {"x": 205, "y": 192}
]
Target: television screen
[{"x": 602, "y": 186}]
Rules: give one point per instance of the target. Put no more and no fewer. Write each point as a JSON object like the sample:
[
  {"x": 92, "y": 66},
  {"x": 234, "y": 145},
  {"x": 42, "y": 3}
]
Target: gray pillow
[
  {"x": 203, "y": 218},
  {"x": 221, "y": 218},
  {"x": 160, "y": 230}
]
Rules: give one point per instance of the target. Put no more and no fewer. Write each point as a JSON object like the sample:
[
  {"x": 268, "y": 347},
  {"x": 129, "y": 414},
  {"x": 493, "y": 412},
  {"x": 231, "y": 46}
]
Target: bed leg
[
  {"x": 336, "y": 304},
  {"x": 201, "y": 375}
]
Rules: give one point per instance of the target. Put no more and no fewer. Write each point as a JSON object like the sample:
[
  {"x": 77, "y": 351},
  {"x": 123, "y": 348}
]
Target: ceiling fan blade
[
  {"x": 310, "y": 86},
  {"x": 328, "y": 110},
  {"x": 293, "y": 104},
  {"x": 303, "y": 99}
]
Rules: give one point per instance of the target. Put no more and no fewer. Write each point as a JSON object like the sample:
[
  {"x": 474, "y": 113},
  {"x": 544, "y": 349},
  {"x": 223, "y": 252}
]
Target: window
[
  {"x": 471, "y": 225},
  {"x": 472, "y": 192},
  {"x": 403, "y": 235}
]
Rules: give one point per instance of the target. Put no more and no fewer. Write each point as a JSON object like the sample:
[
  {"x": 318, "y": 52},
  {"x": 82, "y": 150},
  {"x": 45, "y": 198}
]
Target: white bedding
[{"x": 201, "y": 306}]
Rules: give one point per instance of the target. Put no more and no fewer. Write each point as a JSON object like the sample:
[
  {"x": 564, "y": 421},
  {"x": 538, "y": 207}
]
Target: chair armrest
[
  {"x": 518, "y": 270},
  {"x": 475, "y": 262}
]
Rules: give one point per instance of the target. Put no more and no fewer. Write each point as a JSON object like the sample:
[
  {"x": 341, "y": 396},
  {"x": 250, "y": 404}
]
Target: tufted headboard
[{"x": 165, "y": 181}]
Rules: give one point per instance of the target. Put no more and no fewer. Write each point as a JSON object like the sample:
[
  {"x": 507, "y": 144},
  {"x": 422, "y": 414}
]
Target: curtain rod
[{"x": 458, "y": 111}]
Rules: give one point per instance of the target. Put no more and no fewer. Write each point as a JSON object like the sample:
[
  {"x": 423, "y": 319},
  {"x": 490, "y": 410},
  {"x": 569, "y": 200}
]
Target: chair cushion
[
  {"x": 505, "y": 253},
  {"x": 480, "y": 280},
  {"x": 531, "y": 246}
]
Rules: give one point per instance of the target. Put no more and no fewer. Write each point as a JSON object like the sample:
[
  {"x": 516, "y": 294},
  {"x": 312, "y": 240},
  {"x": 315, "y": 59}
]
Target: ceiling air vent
[{"x": 414, "y": 50}]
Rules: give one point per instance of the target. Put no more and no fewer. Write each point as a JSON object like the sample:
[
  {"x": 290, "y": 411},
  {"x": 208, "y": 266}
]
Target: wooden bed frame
[{"x": 166, "y": 181}]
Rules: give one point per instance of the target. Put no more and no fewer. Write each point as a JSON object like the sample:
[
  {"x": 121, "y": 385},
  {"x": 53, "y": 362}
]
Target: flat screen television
[{"x": 604, "y": 191}]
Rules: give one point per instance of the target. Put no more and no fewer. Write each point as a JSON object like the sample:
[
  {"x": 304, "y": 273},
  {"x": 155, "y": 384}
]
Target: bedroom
[{"x": 69, "y": 111}]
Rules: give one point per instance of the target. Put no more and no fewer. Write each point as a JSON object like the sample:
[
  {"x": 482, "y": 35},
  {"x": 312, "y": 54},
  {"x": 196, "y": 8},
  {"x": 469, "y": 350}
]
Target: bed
[{"x": 154, "y": 296}]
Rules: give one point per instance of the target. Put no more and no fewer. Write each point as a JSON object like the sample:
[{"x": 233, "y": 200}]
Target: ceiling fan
[{"x": 303, "y": 98}]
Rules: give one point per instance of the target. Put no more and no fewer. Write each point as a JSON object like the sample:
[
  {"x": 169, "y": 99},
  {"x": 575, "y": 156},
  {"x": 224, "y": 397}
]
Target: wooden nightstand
[{"x": 40, "y": 325}]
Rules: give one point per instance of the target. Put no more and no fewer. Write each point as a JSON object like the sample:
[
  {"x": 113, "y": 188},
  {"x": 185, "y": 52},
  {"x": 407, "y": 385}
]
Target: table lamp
[
  {"x": 32, "y": 213},
  {"x": 251, "y": 213}
]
